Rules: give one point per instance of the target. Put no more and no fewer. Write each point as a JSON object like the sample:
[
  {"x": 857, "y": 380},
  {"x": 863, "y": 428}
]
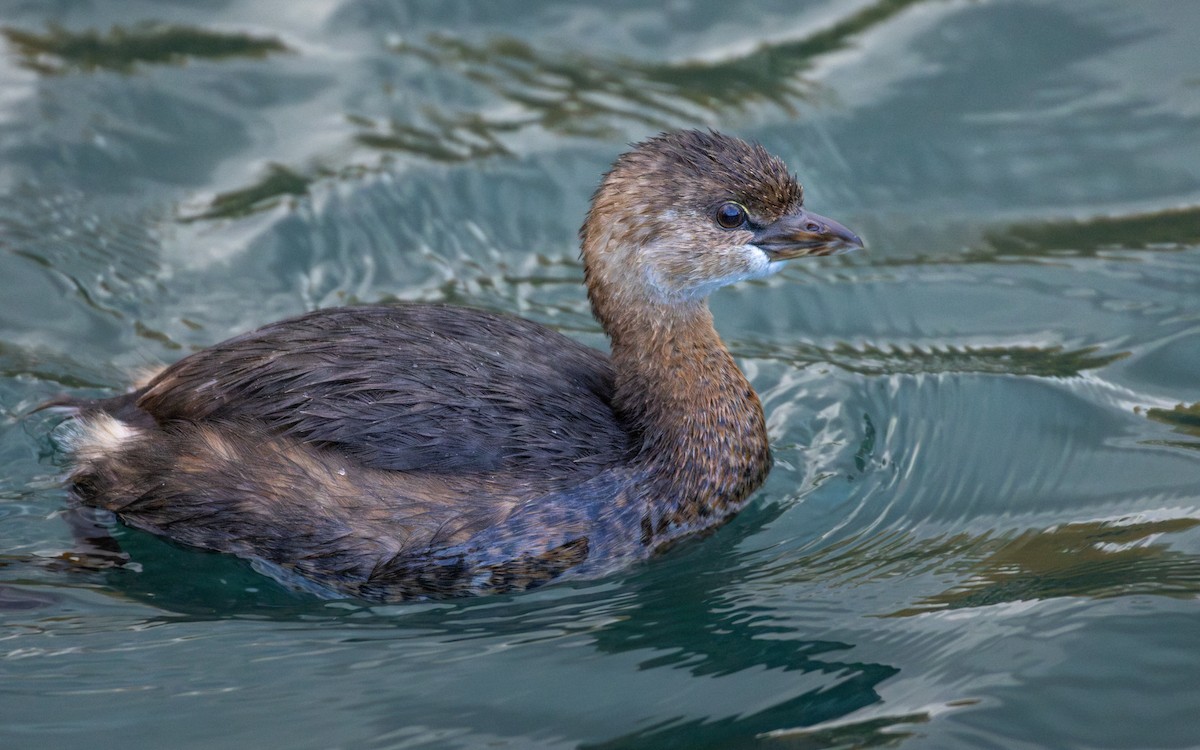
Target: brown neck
[{"x": 703, "y": 434}]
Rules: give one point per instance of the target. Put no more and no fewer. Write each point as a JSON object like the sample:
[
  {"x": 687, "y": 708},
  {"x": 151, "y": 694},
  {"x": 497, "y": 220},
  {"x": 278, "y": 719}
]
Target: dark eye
[{"x": 731, "y": 215}]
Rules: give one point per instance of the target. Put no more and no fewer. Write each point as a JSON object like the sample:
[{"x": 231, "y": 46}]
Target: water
[{"x": 983, "y": 528}]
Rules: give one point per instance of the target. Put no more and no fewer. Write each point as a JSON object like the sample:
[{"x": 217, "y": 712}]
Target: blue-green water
[{"x": 983, "y": 528}]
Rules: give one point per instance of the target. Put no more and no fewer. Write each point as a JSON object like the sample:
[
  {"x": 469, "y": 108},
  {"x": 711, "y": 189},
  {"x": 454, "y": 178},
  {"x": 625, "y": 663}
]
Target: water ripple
[
  {"x": 882, "y": 359},
  {"x": 1103, "y": 558},
  {"x": 122, "y": 49},
  {"x": 1184, "y": 419},
  {"x": 568, "y": 94}
]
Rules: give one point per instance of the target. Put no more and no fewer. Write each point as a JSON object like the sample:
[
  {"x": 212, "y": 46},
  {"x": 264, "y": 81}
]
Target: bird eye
[{"x": 731, "y": 215}]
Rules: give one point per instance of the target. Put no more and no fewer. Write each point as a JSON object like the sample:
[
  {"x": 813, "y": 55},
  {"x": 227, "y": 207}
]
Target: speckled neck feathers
[{"x": 702, "y": 428}]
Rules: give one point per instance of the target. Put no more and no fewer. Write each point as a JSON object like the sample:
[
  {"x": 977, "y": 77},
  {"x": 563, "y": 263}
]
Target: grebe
[{"x": 422, "y": 450}]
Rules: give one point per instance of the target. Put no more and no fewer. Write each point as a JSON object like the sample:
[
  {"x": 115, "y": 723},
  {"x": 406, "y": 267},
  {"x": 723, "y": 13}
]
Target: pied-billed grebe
[{"x": 416, "y": 450}]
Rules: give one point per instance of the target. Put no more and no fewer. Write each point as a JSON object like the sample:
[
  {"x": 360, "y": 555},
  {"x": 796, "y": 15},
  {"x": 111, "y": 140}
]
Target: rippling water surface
[{"x": 983, "y": 526}]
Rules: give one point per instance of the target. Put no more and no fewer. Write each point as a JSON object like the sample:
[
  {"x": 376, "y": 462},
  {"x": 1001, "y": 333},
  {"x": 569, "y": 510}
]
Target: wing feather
[{"x": 409, "y": 387}]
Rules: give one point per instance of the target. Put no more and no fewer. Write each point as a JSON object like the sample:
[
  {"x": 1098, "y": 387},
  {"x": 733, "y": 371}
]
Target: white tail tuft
[{"x": 99, "y": 437}]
